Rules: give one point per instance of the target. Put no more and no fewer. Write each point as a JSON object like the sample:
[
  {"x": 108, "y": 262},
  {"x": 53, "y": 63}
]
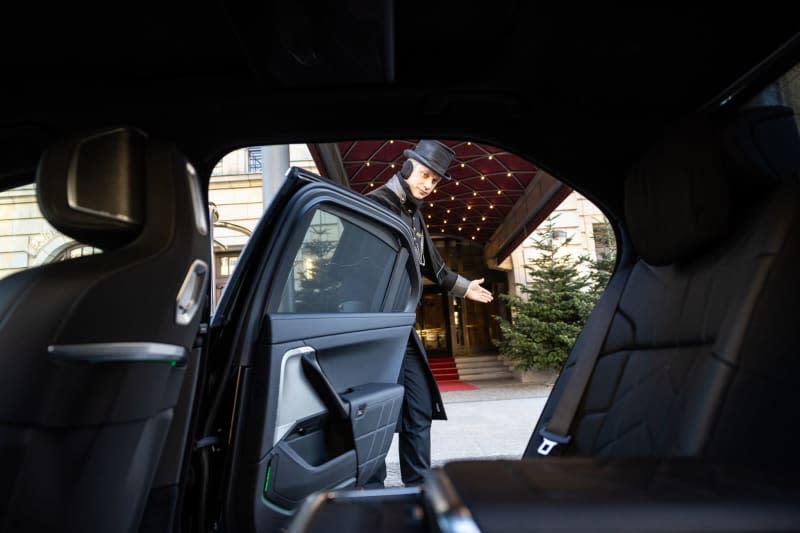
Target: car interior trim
[
  {"x": 296, "y": 397},
  {"x": 119, "y": 352},
  {"x": 72, "y": 180},
  {"x": 190, "y": 295},
  {"x": 452, "y": 516}
]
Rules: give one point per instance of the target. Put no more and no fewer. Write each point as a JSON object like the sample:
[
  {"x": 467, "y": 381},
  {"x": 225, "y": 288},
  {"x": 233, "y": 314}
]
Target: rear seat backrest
[{"x": 701, "y": 356}]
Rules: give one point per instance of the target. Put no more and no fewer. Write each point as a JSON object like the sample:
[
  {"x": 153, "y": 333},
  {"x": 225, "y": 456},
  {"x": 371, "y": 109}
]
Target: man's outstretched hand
[{"x": 477, "y": 293}]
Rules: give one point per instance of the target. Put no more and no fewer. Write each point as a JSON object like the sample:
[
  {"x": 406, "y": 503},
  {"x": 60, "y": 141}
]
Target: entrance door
[
  {"x": 224, "y": 263},
  {"x": 433, "y": 324}
]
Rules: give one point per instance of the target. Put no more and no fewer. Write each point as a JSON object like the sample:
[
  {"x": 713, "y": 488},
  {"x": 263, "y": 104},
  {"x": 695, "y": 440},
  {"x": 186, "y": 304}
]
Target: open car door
[{"x": 308, "y": 342}]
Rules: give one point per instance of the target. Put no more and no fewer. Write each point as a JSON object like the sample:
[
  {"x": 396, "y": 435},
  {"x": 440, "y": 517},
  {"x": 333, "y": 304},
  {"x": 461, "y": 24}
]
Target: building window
[
  {"x": 217, "y": 171},
  {"x": 27, "y": 240},
  {"x": 254, "y": 159},
  {"x": 226, "y": 264},
  {"x": 75, "y": 250},
  {"x": 604, "y": 243}
]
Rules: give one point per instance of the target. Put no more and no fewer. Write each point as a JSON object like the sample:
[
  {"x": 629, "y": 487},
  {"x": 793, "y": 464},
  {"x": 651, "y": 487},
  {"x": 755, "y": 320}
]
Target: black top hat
[{"x": 434, "y": 155}]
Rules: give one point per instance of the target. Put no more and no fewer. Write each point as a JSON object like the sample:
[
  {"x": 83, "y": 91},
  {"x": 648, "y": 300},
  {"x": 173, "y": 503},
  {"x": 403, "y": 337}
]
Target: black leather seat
[
  {"x": 94, "y": 349},
  {"x": 702, "y": 356}
]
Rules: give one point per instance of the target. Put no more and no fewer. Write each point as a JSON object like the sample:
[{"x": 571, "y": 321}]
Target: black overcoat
[{"x": 432, "y": 266}]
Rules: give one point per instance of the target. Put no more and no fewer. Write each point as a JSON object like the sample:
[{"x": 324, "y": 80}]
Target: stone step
[
  {"x": 482, "y": 367},
  {"x": 473, "y": 371},
  {"x": 465, "y": 358},
  {"x": 480, "y": 364},
  {"x": 487, "y": 376}
]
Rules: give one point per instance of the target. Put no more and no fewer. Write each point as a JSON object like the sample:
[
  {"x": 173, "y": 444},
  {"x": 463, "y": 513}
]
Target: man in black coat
[{"x": 403, "y": 195}]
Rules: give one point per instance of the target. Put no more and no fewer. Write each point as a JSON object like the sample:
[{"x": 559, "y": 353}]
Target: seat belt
[{"x": 587, "y": 347}]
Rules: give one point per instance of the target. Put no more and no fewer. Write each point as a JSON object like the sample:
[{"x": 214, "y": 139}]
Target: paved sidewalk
[{"x": 494, "y": 421}]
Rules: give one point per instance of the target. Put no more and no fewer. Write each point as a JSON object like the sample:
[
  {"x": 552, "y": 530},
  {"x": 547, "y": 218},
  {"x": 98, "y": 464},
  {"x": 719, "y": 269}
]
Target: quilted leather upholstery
[
  {"x": 701, "y": 356},
  {"x": 656, "y": 386},
  {"x": 377, "y": 406}
]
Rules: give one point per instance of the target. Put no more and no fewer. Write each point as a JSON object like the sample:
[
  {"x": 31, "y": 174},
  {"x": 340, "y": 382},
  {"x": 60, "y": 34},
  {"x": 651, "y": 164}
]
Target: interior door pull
[
  {"x": 190, "y": 295},
  {"x": 320, "y": 382}
]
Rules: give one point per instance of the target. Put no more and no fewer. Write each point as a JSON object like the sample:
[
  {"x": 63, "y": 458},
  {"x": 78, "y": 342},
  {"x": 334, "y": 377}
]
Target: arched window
[{"x": 72, "y": 250}]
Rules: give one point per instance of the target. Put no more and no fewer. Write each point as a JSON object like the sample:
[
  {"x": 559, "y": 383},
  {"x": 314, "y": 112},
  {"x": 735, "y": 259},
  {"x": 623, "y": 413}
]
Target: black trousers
[{"x": 414, "y": 426}]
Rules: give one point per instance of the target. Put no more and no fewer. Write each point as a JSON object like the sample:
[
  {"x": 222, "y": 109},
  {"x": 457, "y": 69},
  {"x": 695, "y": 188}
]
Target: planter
[{"x": 537, "y": 377}]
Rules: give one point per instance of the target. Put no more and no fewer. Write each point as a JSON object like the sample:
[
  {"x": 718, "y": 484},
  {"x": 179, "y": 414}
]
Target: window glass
[
  {"x": 339, "y": 268},
  {"x": 26, "y": 238},
  {"x": 789, "y": 87},
  {"x": 240, "y": 190}
]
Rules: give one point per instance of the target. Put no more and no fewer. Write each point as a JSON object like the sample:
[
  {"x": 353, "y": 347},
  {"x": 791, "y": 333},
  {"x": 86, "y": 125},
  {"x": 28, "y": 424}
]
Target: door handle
[
  {"x": 320, "y": 382},
  {"x": 187, "y": 302}
]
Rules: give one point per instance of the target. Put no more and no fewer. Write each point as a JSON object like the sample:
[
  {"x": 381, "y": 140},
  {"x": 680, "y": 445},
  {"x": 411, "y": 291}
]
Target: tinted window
[{"x": 339, "y": 268}]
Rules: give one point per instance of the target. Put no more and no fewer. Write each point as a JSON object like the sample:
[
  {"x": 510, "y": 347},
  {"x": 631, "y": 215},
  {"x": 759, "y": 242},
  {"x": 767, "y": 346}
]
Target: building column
[{"x": 274, "y": 164}]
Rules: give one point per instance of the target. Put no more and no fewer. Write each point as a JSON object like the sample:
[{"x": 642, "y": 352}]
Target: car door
[{"x": 314, "y": 324}]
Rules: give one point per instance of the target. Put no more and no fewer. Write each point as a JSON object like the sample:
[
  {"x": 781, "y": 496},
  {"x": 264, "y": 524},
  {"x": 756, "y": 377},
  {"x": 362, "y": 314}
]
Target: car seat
[
  {"x": 94, "y": 349},
  {"x": 700, "y": 358}
]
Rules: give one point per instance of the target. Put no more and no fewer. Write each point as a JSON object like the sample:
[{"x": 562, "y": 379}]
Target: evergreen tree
[
  {"x": 553, "y": 309},
  {"x": 606, "y": 256},
  {"x": 319, "y": 284}
]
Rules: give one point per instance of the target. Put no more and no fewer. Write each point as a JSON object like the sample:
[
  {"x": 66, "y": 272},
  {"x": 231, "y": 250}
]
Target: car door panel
[
  {"x": 333, "y": 305},
  {"x": 347, "y": 359},
  {"x": 286, "y": 328}
]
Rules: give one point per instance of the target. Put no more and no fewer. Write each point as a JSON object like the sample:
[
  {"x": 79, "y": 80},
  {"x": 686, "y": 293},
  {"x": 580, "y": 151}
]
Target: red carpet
[
  {"x": 447, "y": 386},
  {"x": 446, "y": 374}
]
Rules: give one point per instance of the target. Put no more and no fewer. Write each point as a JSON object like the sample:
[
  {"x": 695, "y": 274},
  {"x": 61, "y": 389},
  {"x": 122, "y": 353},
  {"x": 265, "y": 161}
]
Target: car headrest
[
  {"x": 763, "y": 143},
  {"x": 679, "y": 197},
  {"x": 92, "y": 188}
]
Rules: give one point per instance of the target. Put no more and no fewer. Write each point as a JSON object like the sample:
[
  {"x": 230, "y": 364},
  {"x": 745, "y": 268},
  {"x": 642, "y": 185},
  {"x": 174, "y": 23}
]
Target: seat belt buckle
[{"x": 550, "y": 441}]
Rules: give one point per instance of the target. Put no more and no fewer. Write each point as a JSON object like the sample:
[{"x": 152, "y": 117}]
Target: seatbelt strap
[{"x": 587, "y": 349}]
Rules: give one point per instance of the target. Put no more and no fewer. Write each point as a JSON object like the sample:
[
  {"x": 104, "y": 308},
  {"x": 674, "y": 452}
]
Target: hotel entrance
[{"x": 433, "y": 322}]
